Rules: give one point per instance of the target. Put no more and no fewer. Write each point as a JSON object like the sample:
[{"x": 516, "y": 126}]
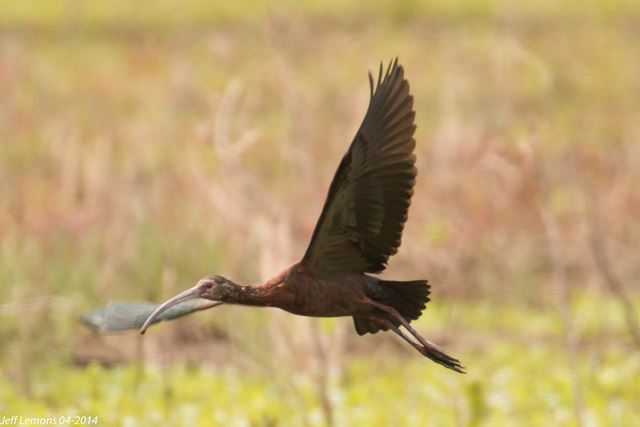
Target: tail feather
[{"x": 409, "y": 298}]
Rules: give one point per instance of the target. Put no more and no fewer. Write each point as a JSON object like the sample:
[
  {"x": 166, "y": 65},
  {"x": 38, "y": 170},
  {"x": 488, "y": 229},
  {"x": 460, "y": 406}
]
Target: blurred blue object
[{"x": 125, "y": 316}]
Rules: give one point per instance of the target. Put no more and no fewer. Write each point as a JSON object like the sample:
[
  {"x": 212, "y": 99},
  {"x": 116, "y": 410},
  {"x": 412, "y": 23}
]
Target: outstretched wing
[{"x": 362, "y": 220}]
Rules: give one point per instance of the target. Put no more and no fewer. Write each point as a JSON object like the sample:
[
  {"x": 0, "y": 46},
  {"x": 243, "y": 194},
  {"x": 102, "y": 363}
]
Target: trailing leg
[{"x": 427, "y": 348}]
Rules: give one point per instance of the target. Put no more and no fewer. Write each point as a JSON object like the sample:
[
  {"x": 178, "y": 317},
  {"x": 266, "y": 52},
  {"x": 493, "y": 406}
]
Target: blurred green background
[{"x": 146, "y": 144}]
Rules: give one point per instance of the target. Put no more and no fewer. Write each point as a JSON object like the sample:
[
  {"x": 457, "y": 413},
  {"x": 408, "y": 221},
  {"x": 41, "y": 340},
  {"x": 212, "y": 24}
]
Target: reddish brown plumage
[{"x": 359, "y": 228}]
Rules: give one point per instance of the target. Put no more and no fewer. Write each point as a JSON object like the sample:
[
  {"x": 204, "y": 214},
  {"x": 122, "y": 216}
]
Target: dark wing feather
[{"x": 362, "y": 220}]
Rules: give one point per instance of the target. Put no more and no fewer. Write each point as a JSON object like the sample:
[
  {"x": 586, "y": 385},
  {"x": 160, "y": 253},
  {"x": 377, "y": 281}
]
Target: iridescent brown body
[
  {"x": 359, "y": 228},
  {"x": 298, "y": 291}
]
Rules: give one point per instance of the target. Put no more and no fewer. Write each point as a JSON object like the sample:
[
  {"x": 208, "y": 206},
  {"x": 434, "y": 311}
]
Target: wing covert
[{"x": 363, "y": 217}]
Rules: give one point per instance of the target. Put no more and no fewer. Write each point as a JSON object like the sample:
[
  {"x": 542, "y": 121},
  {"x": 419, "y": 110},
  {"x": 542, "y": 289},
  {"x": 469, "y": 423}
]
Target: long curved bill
[{"x": 187, "y": 295}]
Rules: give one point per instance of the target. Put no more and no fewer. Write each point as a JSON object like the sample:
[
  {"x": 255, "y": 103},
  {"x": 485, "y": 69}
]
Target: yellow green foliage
[{"x": 145, "y": 144}]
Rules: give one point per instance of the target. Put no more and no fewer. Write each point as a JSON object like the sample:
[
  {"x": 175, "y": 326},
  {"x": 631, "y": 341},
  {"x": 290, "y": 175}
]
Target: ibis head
[{"x": 214, "y": 288}]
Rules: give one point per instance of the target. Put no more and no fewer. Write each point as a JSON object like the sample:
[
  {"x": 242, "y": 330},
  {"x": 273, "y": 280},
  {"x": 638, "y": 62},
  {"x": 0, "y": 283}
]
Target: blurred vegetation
[{"x": 146, "y": 144}]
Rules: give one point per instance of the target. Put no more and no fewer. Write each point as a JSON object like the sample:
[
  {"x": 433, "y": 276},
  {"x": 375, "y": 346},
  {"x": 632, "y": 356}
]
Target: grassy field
[
  {"x": 144, "y": 145},
  {"x": 519, "y": 374}
]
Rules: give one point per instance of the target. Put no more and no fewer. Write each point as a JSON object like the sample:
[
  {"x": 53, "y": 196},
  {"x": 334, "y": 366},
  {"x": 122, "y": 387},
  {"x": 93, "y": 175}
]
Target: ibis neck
[{"x": 261, "y": 296}]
